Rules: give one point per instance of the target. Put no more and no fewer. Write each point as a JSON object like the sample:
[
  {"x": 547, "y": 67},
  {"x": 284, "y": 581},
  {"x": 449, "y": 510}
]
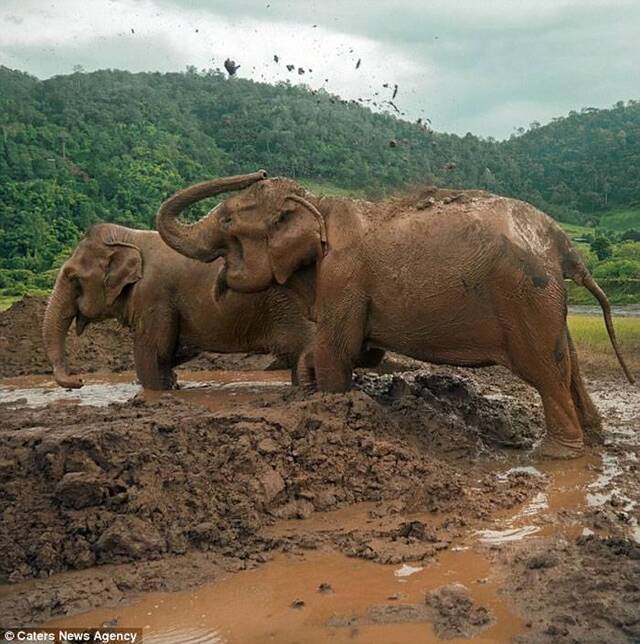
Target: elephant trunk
[
  {"x": 58, "y": 316},
  {"x": 201, "y": 240}
]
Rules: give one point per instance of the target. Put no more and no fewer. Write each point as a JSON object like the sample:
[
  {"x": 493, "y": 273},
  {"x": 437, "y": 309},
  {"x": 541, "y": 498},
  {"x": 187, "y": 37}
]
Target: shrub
[{"x": 618, "y": 268}]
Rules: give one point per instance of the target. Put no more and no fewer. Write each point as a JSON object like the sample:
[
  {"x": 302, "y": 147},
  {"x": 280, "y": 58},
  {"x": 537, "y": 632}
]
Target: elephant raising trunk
[{"x": 200, "y": 240}]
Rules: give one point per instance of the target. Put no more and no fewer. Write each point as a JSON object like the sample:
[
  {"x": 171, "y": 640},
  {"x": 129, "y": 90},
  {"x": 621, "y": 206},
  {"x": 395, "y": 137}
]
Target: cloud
[{"x": 484, "y": 66}]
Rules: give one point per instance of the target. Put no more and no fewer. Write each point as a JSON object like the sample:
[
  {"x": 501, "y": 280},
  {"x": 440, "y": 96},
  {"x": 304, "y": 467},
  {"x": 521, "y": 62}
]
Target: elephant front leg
[
  {"x": 333, "y": 369},
  {"x": 154, "y": 357},
  {"x": 337, "y": 368},
  {"x": 338, "y": 345},
  {"x": 153, "y": 372}
]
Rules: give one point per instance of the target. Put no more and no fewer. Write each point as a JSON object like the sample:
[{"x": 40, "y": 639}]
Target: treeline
[{"x": 111, "y": 145}]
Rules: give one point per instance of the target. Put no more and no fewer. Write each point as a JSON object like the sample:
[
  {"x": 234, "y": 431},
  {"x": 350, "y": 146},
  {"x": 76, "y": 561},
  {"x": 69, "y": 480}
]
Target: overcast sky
[{"x": 485, "y": 66}]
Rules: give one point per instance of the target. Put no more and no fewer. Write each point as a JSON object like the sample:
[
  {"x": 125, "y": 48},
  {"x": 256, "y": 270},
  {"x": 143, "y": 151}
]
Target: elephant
[
  {"x": 165, "y": 298},
  {"x": 464, "y": 278}
]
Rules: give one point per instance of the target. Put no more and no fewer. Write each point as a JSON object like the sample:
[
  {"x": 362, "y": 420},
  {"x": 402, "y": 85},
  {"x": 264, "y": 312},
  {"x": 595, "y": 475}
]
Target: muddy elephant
[
  {"x": 449, "y": 277},
  {"x": 165, "y": 299}
]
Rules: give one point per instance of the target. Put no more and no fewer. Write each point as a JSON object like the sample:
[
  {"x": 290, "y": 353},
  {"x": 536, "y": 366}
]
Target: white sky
[{"x": 485, "y": 66}]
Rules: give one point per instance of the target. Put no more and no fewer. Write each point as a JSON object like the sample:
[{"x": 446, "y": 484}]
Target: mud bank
[
  {"x": 556, "y": 561},
  {"x": 143, "y": 481},
  {"x": 104, "y": 346}
]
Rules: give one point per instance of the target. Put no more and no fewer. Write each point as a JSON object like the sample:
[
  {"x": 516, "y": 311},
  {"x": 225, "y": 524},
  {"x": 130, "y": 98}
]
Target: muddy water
[
  {"x": 213, "y": 389},
  {"x": 566, "y": 490},
  {"x": 256, "y": 606}
]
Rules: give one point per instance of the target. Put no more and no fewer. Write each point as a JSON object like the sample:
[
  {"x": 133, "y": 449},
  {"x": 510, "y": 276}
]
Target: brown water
[
  {"x": 256, "y": 605},
  {"x": 213, "y": 389}
]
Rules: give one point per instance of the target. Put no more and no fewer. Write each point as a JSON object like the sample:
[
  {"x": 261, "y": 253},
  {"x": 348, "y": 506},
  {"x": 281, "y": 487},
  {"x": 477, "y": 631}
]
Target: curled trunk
[
  {"x": 58, "y": 317},
  {"x": 201, "y": 240}
]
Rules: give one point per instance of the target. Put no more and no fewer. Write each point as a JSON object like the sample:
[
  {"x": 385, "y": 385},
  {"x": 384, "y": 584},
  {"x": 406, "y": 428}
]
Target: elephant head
[
  {"x": 90, "y": 286},
  {"x": 265, "y": 232}
]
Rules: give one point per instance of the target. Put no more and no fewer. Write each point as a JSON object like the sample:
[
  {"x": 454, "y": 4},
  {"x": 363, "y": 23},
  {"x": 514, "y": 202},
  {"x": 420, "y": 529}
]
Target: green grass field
[
  {"x": 576, "y": 231},
  {"x": 592, "y": 341},
  {"x": 621, "y": 219},
  {"x": 7, "y": 300}
]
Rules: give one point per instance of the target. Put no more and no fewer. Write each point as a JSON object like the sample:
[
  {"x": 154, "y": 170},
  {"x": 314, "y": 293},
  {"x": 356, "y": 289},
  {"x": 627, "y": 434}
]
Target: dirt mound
[
  {"x": 454, "y": 614},
  {"x": 425, "y": 393},
  {"x": 450, "y": 609},
  {"x": 82, "y": 486},
  {"x": 104, "y": 346}
]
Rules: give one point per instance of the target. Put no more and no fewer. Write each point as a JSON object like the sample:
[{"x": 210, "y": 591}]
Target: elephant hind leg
[
  {"x": 588, "y": 415},
  {"x": 548, "y": 368},
  {"x": 564, "y": 437}
]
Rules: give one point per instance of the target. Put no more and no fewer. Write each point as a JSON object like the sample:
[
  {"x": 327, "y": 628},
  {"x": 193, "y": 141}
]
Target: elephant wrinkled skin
[
  {"x": 462, "y": 278},
  {"x": 165, "y": 298}
]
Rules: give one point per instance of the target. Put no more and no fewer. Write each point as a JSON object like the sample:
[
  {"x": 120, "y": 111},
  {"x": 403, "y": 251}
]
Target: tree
[{"x": 601, "y": 246}]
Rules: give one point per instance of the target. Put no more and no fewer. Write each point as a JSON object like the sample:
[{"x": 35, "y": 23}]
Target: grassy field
[
  {"x": 621, "y": 220},
  {"x": 7, "y": 300},
  {"x": 576, "y": 231},
  {"x": 594, "y": 348}
]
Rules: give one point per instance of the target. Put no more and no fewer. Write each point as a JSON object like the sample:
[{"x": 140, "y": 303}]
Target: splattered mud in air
[{"x": 240, "y": 509}]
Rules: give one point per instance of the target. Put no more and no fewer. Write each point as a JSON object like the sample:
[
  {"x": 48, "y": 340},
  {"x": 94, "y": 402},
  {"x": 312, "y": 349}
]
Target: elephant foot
[
  {"x": 304, "y": 374},
  {"x": 553, "y": 448},
  {"x": 67, "y": 380}
]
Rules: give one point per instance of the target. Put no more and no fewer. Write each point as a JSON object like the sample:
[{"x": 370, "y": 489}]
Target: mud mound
[
  {"x": 104, "y": 346},
  {"x": 85, "y": 486},
  {"x": 450, "y": 609},
  {"x": 582, "y": 591},
  {"x": 424, "y": 393}
]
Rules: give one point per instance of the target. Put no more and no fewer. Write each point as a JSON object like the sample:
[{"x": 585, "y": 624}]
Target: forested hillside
[{"x": 112, "y": 145}]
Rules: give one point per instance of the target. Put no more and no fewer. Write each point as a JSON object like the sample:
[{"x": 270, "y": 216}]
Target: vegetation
[
  {"x": 594, "y": 347},
  {"x": 621, "y": 220},
  {"x": 111, "y": 145}
]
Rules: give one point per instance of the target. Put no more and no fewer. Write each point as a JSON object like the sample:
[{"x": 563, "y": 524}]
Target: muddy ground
[
  {"x": 105, "y": 346},
  {"x": 420, "y": 466}
]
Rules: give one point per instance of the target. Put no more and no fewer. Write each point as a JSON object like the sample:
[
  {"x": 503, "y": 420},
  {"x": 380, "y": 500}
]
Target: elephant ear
[
  {"x": 295, "y": 238},
  {"x": 125, "y": 267}
]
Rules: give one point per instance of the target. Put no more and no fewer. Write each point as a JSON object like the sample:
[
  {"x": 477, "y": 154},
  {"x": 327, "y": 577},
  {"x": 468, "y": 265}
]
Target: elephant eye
[{"x": 225, "y": 220}]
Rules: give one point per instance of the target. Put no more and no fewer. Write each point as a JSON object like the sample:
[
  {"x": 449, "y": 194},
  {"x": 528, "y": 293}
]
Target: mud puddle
[
  {"x": 321, "y": 597},
  {"x": 565, "y": 494},
  {"x": 212, "y": 389}
]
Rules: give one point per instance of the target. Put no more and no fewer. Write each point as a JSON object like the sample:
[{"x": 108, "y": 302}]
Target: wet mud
[{"x": 240, "y": 509}]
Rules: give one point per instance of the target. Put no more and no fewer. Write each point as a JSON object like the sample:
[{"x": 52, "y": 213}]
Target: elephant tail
[{"x": 575, "y": 270}]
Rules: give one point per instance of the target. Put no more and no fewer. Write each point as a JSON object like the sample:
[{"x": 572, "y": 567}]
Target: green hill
[{"x": 111, "y": 145}]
